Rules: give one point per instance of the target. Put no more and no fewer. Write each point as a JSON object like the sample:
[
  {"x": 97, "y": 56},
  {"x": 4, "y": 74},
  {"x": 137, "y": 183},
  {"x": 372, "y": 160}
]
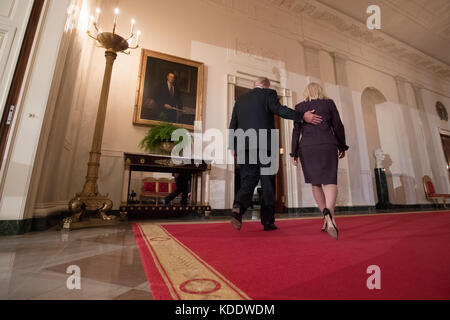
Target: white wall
[
  {"x": 245, "y": 37},
  {"x": 243, "y": 47}
]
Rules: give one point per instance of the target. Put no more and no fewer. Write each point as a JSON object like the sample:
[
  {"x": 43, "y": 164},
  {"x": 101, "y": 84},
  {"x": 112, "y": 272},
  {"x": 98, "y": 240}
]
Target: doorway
[
  {"x": 445, "y": 140},
  {"x": 279, "y": 190},
  {"x": 17, "y": 80}
]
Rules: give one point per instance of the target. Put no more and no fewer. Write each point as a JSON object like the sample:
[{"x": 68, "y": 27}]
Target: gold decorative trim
[
  {"x": 186, "y": 275},
  {"x": 165, "y": 162}
]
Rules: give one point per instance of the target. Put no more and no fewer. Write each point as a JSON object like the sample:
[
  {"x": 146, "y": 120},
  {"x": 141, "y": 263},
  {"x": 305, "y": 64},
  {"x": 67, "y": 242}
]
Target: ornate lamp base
[{"x": 82, "y": 203}]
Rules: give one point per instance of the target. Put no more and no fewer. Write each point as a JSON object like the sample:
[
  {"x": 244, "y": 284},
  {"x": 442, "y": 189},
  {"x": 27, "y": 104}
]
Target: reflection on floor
[{"x": 33, "y": 266}]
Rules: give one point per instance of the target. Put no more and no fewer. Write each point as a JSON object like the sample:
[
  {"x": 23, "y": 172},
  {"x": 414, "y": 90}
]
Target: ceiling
[{"x": 422, "y": 24}]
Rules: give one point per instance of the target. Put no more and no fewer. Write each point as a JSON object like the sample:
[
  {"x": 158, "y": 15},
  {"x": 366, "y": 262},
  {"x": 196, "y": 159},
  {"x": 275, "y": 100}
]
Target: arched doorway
[
  {"x": 370, "y": 98},
  {"x": 380, "y": 121}
]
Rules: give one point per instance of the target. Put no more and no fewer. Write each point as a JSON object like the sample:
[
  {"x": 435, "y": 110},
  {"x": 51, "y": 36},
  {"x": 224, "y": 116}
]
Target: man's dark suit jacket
[
  {"x": 162, "y": 97},
  {"x": 255, "y": 110},
  {"x": 330, "y": 131}
]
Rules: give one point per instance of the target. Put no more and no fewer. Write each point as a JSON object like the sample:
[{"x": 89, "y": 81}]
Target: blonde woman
[{"x": 318, "y": 150}]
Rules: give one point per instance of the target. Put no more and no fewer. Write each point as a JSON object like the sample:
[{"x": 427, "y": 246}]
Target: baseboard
[
  {"x": 366, "y": 209},
  {"x": 17, "y": 227},
  {"x": 314, "y": 211}
]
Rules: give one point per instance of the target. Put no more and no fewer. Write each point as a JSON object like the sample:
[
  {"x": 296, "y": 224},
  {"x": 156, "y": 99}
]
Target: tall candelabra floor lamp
[{"x": 90, "y": 199}]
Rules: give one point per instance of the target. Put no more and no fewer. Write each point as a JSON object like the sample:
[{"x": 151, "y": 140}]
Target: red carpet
[{"x": 300, "y": 262}]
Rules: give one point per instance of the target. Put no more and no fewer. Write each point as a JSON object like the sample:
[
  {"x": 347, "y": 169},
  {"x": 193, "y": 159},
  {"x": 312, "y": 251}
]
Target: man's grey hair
[{"x": 263, "y": 82}]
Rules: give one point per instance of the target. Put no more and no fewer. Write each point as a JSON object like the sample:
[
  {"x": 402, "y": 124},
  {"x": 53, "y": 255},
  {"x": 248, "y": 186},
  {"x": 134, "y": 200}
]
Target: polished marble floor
[{"x": 34, "y": 265}]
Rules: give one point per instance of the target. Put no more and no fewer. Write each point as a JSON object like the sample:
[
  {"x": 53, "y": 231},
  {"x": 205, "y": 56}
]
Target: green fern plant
[{"x": 158, "y": 135}]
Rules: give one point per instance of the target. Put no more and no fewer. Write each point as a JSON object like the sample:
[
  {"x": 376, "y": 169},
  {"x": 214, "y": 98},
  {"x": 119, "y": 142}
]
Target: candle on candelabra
[
  {"x": 116, "y": 15},
  {"x": 90, "y": 22},
  {"x": 138, "y": 34},
  {"x": 132, "y": 25},
  {"x": 97, "y": 15}
]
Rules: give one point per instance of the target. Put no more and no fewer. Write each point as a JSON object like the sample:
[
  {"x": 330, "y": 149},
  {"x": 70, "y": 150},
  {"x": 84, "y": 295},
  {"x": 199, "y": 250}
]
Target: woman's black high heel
[
  {"x": 324, "y": 228},
  {"x": 332, "y": 232}
]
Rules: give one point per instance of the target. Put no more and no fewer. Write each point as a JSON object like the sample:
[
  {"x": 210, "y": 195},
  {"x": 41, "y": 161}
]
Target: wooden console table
[{"x": 199, "y": 169}]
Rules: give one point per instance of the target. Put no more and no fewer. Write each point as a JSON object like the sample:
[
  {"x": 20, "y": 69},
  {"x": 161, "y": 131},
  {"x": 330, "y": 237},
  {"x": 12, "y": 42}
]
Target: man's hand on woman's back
[{"x": 312, "y": 118}]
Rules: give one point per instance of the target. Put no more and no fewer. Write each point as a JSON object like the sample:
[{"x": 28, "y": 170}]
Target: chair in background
[
  {"x": 153, "y": 190},
  {"x": 149, "y": 190},
  {"x": 430, "y": 192},
  {"x": 163, "y": 188}
]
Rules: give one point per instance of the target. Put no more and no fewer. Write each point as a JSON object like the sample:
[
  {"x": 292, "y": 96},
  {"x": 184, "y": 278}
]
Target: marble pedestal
[{"x": 382, "y": 189}]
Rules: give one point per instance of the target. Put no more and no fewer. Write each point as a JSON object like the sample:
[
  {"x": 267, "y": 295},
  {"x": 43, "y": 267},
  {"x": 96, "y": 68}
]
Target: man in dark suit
[
  {"x": 255, "y": 110},
  {"x": 168, "y": 100}
]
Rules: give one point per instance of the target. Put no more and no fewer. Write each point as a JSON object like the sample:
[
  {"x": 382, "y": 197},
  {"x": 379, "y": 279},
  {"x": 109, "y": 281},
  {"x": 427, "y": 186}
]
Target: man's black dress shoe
[
  {"x": 270, "y": 227},
  {"x": 236, "y": 218}
]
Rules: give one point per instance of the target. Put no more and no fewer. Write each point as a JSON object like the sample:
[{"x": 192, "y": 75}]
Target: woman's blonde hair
[{"x": 313, "y": 91}]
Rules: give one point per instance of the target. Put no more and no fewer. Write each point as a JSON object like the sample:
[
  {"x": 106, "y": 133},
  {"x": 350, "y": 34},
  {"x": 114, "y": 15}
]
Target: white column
[
  {"x": 413, "y": 181},
  {"x": 290, "y": 173},
  {"x": 345, "y": 100}
]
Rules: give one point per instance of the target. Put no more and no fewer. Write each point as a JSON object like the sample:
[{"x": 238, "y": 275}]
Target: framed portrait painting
[{"x": 170, "y": 89}]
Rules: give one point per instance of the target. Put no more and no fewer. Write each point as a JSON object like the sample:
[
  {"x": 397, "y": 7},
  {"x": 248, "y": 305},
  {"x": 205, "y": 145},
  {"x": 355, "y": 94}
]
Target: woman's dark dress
[{"x": 319, "y": 145}]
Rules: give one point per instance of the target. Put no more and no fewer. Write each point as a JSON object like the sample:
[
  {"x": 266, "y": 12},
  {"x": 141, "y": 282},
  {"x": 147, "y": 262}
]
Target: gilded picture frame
[{"x": 170, "y": 90}]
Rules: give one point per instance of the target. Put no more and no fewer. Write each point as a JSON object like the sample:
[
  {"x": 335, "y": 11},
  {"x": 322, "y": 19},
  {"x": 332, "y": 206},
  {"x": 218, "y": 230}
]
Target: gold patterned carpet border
[{"x": 186, "y": 275}]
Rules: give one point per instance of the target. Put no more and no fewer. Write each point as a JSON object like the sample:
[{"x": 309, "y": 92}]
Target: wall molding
[
  {"x": 389, "y": 48},
  {"x": 18, "y": 227},
  {"x": 112, "y": 153},
  {"x": 358, "y": 31}
]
